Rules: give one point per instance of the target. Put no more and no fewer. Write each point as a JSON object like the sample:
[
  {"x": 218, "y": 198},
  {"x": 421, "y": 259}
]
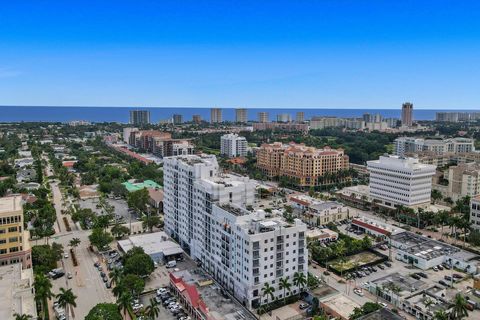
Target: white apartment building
[
  {"x": 404, "y": 145},
  {"x": 243, "y": 250},
  {"x": 400, "y": 181},
  {"x": 475, "y": 213},
  {"x": 241, "y": 115},
  {"x": 233, "y": 145}
]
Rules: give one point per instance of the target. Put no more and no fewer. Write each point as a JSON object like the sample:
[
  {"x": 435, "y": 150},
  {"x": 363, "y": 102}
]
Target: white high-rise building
[
  {"x": 206, "y": 212},
  {"x": 284, "y": 117},
  {"x": 475, "y": 213},
  {"x": 233, "y": 145},
  {"x": 397, "y": 181}
]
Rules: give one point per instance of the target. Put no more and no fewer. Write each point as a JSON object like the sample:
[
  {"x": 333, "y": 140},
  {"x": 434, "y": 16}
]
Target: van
[{"x": 171, "y": 264}]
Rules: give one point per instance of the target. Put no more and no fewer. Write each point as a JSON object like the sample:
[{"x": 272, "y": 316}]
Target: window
[{"x": 12, "y": 229}]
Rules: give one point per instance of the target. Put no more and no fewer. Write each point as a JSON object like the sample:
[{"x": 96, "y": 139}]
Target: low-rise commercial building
[
  {"x": 279, "y": 126},
  {"x": 157, "y": 245},
  {"x": 318, "y": 212},
  {"x": 375, "y": 228}
]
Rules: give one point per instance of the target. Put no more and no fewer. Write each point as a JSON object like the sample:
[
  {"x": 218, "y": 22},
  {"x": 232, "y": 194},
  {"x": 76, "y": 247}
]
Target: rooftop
[
  {"x": 10, "y": 204},
  {"x": 409, "y": 238},
  {"x": 432, "y": 249},
  {"x": 151, "y": 243},
  {"x": 376, "y": 224},
  {"x": 16, "y": 286},
  {"x": 404, "y": 284},
  {"x": 382, "y": 314}
]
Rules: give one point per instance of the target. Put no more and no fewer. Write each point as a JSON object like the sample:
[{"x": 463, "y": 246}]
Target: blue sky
[{"x": 332, "y": 54}]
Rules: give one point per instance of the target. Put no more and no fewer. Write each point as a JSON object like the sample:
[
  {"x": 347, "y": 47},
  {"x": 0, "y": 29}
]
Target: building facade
[
  {"x": 177, "y": 119},
  {"x": 216, "y": 115},
  {"x": 196, "y": 118},
  {"x": 14, "y": 245},
  {"x": 306, "y": 165},
  {"x": 241, "y": 115},
  {"x": 407, "y": 114},
  {"x": 464, "y": 180},
  {"x": 411, "y": 145},
  {"x": 300, "y": 116},
  {"x": 398, "y": 181},
  {"x": 206, "y": 212},
  {"x": 284, "y": 117},
  {"x": 475, "y": 213},
  {"x": 263, "y": 117},
  {"x": 139, "y": 117},
  {"x": 233, "y": 145}
]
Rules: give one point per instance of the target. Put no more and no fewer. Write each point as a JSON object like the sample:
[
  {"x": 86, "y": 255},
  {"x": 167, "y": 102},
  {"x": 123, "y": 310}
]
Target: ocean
[{"x": 121, "y": 114}]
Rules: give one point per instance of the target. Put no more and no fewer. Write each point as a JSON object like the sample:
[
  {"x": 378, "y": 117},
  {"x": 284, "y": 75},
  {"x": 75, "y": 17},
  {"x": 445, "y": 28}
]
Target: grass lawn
[{"x": 357, "y": 260}]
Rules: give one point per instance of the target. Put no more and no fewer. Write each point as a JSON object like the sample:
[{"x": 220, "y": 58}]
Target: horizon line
[{"x": 231, "y": 107}]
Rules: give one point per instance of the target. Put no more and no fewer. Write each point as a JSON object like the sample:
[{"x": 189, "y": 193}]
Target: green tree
[
  {"x": 436, "y": 195},
  {"x": 22, "y": 316},
  {"x": 299, "y": 280},
  {"x": 123, "y": 303},
  {"x": 152, "y": 310},
  {"x": 67, "y": 300},
  {"x": 268, "y": 291},
  {"x": 367, "y": 308},
  {"x": 43, "y": 291},
  {"x": 151, "y": 221},
  {"x": 104, "y": 311},
  {"x": 100, "y": 238},
  {"x": 118, "y": 230},
  {"x": 440, "y": 315},
  {"x": 130, "y": 283},
  {"x": 138, "y": 200},
  {"x": 284, "y": 285},
  {"x": 459, "y": 309},
  {"x": 116, "y": 276},
  {"x": 140, "y": 264},
  {"x": 75, "y": 242}
]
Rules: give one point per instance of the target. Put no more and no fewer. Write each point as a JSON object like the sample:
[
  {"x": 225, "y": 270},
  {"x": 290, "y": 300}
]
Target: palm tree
[
  {"x": 459, "y": 310},
  {"x": 67, "y": 300},
  {"x": 440, "y": 315},
  {"x": 123, "y": 303},
  {"x": 74, "y": 243},
  {"x": 299, "y": 280},
  {"x": 268, "y": 291},
  {"x": 152, "y": 310},
  {"x": 22, "y": 316},
  {"x": 43, "y": 290},
  {"x": 284, "y": 285},
  {"x": 115, "y": 276}
]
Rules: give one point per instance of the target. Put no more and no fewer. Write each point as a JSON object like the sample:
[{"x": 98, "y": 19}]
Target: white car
[
  {"x": 383, "y": 304},
  {"x": 65, "y": 255},
  {"x": 161, "y": 291},
  {"x": 137, "y": 307},
  {"x": 358, "y": 292}
]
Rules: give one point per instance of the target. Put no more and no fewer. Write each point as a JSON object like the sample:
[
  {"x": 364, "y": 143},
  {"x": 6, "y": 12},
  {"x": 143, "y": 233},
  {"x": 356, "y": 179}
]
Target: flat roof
[
  {"x": 10, "y": 204},
  {"x": 381, "y": 314},
  {"x": 152, "y": 243},
  {"x": 340, "y": 304},
  {"x": 16, "y": 287},
  {"x": 405, "y": 284}
]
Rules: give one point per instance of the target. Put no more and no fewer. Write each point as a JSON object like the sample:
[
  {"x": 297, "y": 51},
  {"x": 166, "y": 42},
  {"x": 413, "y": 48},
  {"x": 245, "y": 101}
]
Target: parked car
[
  {"x": 440, "y": 267},
  {"x": 65, "y": 255},
  {"x": 108, "y": 284},
  {"x": 381, "y": 266},
  {"x": 457, "y": 276},
  {"x": 69, "y": 275},
  {"x": 303, "y": 306},
  {"x": 383, "y": 304},
  {"x": 443, "y": 283},
  {"x": 358, "y": 292},
  {"x": 388, "y": 264},
  {"x": 435, "y": 269},
  {"x": 415, "y": 276},
  {"x": 422, "y": 274}
]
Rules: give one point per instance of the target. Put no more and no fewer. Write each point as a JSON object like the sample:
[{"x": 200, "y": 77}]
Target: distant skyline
[{"x": 248, "y": 54}]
